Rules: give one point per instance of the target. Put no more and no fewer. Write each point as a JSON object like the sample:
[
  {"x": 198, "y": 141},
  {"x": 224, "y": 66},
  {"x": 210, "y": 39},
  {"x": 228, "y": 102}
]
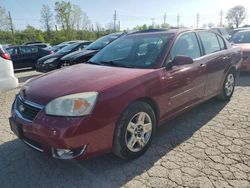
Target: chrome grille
[{"x": 27, "y": 110}]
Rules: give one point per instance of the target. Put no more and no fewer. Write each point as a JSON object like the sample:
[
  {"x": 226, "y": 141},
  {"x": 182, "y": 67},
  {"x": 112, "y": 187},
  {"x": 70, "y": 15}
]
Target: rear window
[{"x": 241, "y": 37}]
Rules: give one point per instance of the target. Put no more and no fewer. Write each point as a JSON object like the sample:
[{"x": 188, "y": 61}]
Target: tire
[
  {"x": 228, "y": 86},
  {"x": 130, "y": 131}
]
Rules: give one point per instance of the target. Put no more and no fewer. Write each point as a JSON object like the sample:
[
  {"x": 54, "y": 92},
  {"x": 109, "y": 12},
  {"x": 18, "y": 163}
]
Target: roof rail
[{"x": 150, "y": 30}]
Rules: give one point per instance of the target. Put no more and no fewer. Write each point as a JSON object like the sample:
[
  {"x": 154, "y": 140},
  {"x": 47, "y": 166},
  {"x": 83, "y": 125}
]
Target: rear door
[
  {"x": 15, "y": 56},
  {"x": 184, "y": 85},
  {"x": 215, "y": 59}
]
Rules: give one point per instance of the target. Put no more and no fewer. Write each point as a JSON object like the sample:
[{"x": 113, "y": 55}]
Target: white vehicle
[{"x": 7, "y": 79}]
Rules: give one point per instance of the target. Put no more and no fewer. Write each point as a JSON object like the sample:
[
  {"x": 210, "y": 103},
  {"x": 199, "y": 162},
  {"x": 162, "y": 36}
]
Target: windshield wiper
[
  {"x": 112, "y": 63},
  {"x": 94, "y": 63}
]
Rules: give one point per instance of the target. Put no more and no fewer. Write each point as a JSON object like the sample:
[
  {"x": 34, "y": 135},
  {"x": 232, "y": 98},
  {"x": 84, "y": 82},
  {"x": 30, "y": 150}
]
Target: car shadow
[
  {"x": 243, "y": 79},
  {"x": 21, "y": 166}
]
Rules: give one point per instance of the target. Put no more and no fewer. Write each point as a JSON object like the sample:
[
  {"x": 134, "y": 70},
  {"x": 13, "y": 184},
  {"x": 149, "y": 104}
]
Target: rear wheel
[
  {"x": 228, "y": 86},
  {"x": 135, "y": 130}
]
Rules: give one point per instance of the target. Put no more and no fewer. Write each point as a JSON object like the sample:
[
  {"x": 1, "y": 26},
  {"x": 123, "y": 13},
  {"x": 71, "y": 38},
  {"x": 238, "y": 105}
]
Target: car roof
[
  {"x": 244, "y": 30},
  {"x": 175, "y": 31}
]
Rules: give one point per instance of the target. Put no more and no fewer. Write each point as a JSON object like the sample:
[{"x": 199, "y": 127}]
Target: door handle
[
  {"x": 202, "y": 65},
  {"x": 225, "y": 57}
]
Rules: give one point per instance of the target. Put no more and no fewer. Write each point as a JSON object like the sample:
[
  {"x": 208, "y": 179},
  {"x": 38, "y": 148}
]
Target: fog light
[{"x": 68, "y": 153}]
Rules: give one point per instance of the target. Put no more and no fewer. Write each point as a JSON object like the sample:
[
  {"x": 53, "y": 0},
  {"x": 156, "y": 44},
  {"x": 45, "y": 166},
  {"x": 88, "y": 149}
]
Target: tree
[
  {"x": 63, "y": 16},
  {"x": 47, "y": 19},
  {"x": 4, "y": 20},
  {"x": 236, "y": 15}
]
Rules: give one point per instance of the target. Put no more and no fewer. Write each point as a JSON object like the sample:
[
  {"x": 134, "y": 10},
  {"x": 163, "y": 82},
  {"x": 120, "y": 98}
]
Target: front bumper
[
  {"x": 41, "y": 67},
  {"x": 86, "y": 135}
]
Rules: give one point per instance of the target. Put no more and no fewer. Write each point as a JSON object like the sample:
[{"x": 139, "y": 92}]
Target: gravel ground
[{"x": 208, "y": 146}]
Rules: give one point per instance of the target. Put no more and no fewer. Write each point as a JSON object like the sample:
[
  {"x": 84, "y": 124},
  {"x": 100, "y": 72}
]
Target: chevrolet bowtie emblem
[{"x": 21, "y": 108}]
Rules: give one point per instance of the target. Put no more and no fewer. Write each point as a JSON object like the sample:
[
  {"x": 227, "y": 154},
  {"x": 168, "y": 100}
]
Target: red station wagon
[{"x": 116, "y": 101}]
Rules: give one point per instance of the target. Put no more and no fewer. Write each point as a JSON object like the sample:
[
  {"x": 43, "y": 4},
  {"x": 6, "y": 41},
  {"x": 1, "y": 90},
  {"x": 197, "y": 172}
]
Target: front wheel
[
  {"x": 134, "y": 131},
  {"x": 228, "y": 86}
]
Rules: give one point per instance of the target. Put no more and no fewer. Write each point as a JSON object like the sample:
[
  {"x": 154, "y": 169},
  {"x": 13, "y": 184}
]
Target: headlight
[
  {"x": 79, "y": 104},
  {"x": 50, "y": 60}
]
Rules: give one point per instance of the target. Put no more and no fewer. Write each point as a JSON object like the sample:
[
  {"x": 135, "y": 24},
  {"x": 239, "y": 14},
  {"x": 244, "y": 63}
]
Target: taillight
[
  {"x": 51, "y": 52},
  {"x": 5, "y": 56}
]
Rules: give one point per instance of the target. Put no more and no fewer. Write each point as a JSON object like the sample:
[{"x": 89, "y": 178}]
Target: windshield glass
[
  {"x": 241, "y": 37},
  {"x": 102, "y": 42},
  {"x": 68, "y": 48},
  {"x": 136, "y": 51}
]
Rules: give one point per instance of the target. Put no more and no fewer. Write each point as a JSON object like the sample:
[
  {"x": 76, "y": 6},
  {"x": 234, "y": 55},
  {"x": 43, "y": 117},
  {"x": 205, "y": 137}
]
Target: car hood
[
  {"x": 49, "y": 57},
  {"x": 75, "y": 55},
  {"x": 77, "y": 79}
]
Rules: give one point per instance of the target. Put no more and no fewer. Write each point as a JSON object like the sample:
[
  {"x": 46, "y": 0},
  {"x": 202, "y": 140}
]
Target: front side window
[
  {"x": 137, "y": 51},
  {"x": 209, "y": 41},
  {"x": 186, "y": 45}
]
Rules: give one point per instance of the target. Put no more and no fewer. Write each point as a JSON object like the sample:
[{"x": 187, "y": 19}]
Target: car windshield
[
  {"x": 67, "y": 48},
  {"x": 102, "y": 42},
  {"x": 135, "y": 51},
  {"x": 241, "y": 37}
]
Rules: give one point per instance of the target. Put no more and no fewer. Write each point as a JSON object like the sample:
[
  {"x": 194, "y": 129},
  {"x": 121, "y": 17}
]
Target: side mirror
[{"x": 180, "y": 60}]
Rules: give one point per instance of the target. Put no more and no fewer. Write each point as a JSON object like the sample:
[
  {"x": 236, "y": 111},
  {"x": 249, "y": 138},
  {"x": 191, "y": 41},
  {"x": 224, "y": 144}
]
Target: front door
[{"x": 183, "y": 85}]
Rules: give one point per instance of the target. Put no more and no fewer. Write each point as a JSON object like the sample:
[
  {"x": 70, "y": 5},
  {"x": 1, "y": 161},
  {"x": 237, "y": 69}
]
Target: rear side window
[
  {"x": 186, "y": 45},
  {"x": 221, "y": 42},
  {"x": 28, "y": 49},
  {"x": 223, "y": 31},
  {"x": 210, "y": 42}
]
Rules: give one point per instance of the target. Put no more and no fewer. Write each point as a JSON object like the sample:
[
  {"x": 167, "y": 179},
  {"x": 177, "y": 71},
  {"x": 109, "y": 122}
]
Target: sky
[{"x": 130, "y": 13}]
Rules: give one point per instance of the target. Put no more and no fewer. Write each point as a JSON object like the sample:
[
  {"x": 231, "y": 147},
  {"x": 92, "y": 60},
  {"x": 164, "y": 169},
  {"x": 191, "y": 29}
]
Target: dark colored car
[
  {"x": 26, "y": 56},
  {"x": 52, "y": 62},
  {"x": 222, "y": 31},
  {"x": 90, "y": 51},
  {"x": 116, "y": 101},
  {"x": 242, "y": 39}
]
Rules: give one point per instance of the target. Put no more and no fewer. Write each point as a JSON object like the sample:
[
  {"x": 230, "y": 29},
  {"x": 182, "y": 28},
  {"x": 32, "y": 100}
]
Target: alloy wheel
[
  {"x": 138, "y": 132},
  {"x": 229, "y": 84}
]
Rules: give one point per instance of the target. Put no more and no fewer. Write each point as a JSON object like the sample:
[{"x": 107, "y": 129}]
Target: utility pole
[
  {"x": 56, "y": 28},
  {"x": 119, "y": 25},
  {"x": 178, "y": 20},
  {"x": 221, "y": 16},
  {"x": 115, "y": 17},
  {"x": 11, "y": 27},
  {"x": 197, "y": 20},
  {"x": 153, "y": 22},
  {"x": 165, "y": 18}
]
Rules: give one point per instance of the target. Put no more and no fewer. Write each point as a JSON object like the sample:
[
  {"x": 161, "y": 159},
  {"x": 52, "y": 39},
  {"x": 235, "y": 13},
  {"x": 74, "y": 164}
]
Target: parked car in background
[
  {"x": 222, "y": 31},
  {"x": 116, "y": 101},
  {"x": 239, "y": 29},
  {"x": 242, "y": 39},
  {"x": 26, "y": 56},
  {"x": 7, "y": 79},
  {"x": 52, "y": 62},
  {"x": 90, "y": 51}
]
